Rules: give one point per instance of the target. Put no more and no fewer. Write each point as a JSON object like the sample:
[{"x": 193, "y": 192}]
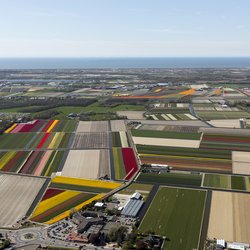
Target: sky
[{"x": 124, "y": 28}]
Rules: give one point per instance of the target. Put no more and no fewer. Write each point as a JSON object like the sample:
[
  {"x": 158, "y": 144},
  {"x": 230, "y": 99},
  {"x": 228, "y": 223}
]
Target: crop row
[
  {"x": 38, "y": 163},
  {"x": 120, "y": 139},
  {"x": 125, "y": 163},
  {"x": 43, "y": 126},
  {"x": 165, "y": 134},
  {"x": 58, "y": 205}
]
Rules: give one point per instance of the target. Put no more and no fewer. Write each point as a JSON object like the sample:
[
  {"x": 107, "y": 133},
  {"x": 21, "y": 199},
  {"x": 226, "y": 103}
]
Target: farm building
[{"x": 133, "y": 206}]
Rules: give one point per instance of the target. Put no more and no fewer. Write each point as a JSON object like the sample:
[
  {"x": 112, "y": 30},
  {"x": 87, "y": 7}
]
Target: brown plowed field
[{"x": 230, "y": 217}]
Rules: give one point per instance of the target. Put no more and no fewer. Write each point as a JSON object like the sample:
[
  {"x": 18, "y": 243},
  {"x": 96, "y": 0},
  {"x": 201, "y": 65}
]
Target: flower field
[
  {"x": 225, "y": 142},
  {"x": 33, "y": 126},
  {"x": 56, "y": 204},
  {"x": 43, "y": 126},
  {"x": 187, "y": 158},
  {"x": 51, "y": 140},
  {"x": 37, "y": 163},
  {"x": 125, "y": 163},
  {"x": 85, "y": 185}
]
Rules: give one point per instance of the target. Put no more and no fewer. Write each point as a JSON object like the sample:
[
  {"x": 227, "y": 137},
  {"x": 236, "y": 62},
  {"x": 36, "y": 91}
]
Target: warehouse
[{"x": 133, "y": 206}]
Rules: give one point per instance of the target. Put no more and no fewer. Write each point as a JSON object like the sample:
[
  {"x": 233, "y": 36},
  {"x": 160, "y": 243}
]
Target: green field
[
  {"x": 165, "y": 134},
  {"x": 95, "y": 107},
  {"x": 191, "y": 152},
  {"x": 120, "y": 171},
  {"x": 247, "y": 182},
  {"x": 15, "y": 141},
  {"x": 177, "y": 214},
  {"x": 65, "y": 126},
  {"x": 213, "y": 115},
  {"x": 238, "y": 182},
  {"x": 217, "y": 181},
  {"x": 171, "y": 179}
]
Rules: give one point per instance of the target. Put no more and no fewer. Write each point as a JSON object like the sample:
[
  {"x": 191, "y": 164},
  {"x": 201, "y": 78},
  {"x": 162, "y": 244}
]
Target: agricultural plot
[
  {"x": 90, "y": 164},
  {"x": 38, "y": 163},
  {"x": 50, "y": 126},
  {"x": 230, "y": 182},
  {"x": 132, "y": 115},
  {"x": 118, "y": 125},
  {"x": 57, "y": 204},
  {"x": 187, "y": 158},
  {"x": 92, "y": 126},
  {"x": 177, "y": 179},
  {"x": 230, "y": 217},
  {"x": 213, "y": 115},
  {"x": 225, "y": 142},
  {"x": 17, "y": 194},
  {"x": 179, "y": 217},
  {"x": 84, "y": 185},
  {"x": 241, "y": 162},
  {"x": 217, "y": 181},
  {"x": 166, "y": 142},
  {"x": 169, "y": 128},
  {"x": 68, "y": 126},
  {"x": 120, "y": 139},
  {"x": 15, "y": 141},
  {"x": 233, "y": 123},
  {"x": 125, "y": 163},
  {"x": 33, "y": 126},
  {"x": 166, "y": 134},
  {"x": 51, "y": 140},
  {"x": 91, "y": 140},
  {"x": 171, "y": 116}
]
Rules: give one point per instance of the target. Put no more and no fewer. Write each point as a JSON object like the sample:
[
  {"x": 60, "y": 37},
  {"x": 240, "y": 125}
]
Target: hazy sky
[{"x": 85, "y": 28}]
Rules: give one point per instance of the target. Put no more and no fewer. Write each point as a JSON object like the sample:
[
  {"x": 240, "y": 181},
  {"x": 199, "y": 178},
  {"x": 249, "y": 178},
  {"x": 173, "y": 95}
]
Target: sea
[{"x": 126, "y": 63}]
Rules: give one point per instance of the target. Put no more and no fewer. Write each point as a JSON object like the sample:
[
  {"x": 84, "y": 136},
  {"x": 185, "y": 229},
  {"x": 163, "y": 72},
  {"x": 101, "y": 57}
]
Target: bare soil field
[
  {"x": 167, "y": 142},
  {"x": 132, "y": 115},
  {"x": 225, "y": 131},
  {"x": 241, "y": 162},
  {"x": 117, "y": 125},
  {"x": 175, "y": 123},
  {"x": 230, "y": 217},
  {"x": 17, "y": 194},
  {"x": 185, "y": 129},
  {"x": 91, "y": 140},
  {"x": 235, "y": 123},
  {"x": 89, "y": 164},
  {"x": 92, "y": 126}
]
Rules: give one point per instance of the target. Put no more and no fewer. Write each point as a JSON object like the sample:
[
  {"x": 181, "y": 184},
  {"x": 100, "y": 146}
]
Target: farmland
[
  {"x": 118, "y": 125},
  {"x": 181, "y": 226},
  {"x": 167, "y": 116},
  {"x": 31, "y": 162},
  {"x": 90, "y": 164},
  {"x": 178, "y": 179},
  {"x": 230, "y": 182},
  {"x": 84, "y": 185},
  {"x": 91, "y": 140},
  {"x": 15, "y": 141},
  {"x": 17, "y": 194},
  {"x": 124, "y": 163},
  {"x": 230, "y": 221},
  {"x": 58, "y": 205},
  {"x": 92, "y": 126},
  {"x": 187, "y": 158},
  {"x": 120, "y": 139}
]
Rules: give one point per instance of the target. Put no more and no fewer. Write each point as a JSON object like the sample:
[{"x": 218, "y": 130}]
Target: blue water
[{"x": 87, "y": 63}]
